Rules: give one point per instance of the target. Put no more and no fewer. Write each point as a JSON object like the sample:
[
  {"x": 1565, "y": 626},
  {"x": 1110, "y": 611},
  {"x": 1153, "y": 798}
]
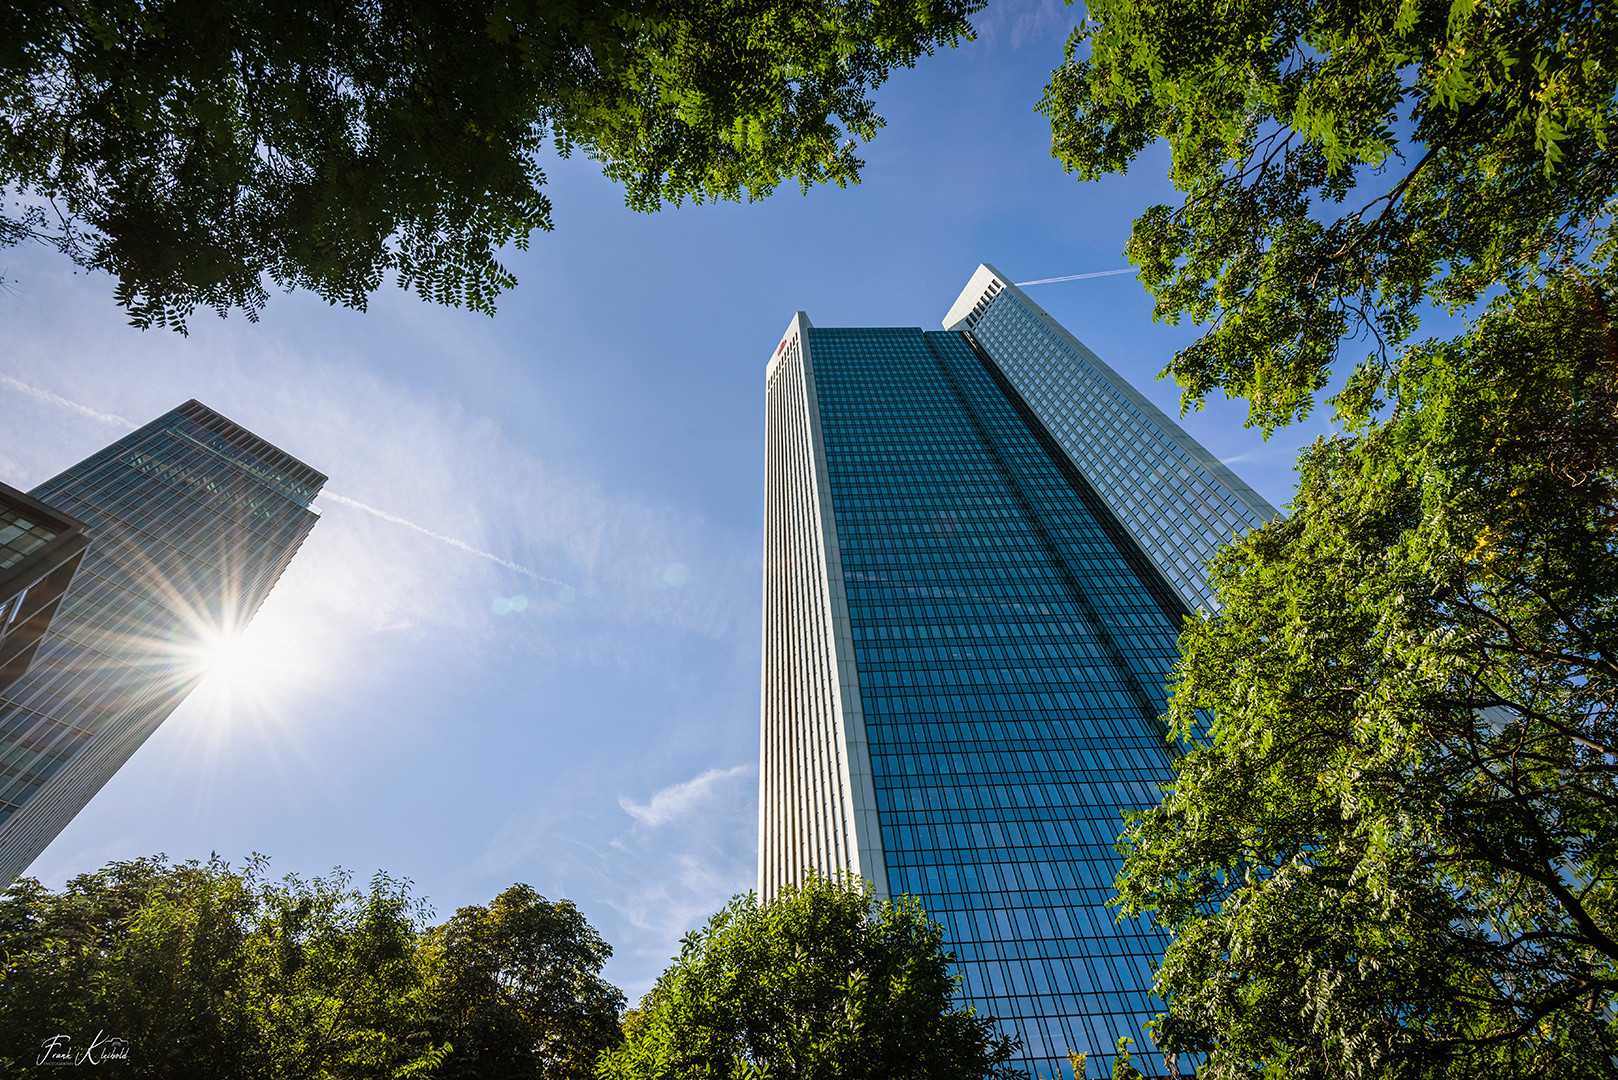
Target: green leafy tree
[
  {"x": 215, "y": 974},
  {"x": 519, "y": 993},
  {"x": 334, "y": 981},
  {"x": 1344, "y": 164},
  {"x": 138, "y": 950},
  {"x": 219, "y": 974},
  {"x": 1398, "y": 856},
  {"x": 200, "y": 151},
  {"x": 822, "y": 981}
]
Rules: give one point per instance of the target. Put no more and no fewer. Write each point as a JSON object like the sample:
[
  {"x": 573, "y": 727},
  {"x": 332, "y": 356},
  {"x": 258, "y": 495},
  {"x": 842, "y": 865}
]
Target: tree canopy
[
  {"x": 1344, "y": 164},
  {"x": 199, "y": 152},
  {"x": 1399, "y": 855},
  {"x": 821, "y": 981},
  {"x": 214, "y": 973},
  {"x": 1394, "y": 855},
  {"x": 518, "y": 992}
]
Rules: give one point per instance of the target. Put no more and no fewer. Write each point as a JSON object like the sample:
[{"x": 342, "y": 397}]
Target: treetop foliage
[
  {"x": 1399, "y": 856},
  {"x": 200, "y": 152},
  {"x": 519, "y": 992},
  {"x": 1343, "y": 164},
  {"x": 821, "y": 981},
  {"x": 213, "y": 973}
]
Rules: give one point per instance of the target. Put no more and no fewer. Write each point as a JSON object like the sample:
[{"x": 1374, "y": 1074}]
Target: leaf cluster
[
  {"x": 1344, "y": 164},
  {"x": 1398, "y": 857},
  {"x": 214, "y": 972},
  {"x": 822, "y": 981},
  {"x": 728, "y": 99},
  {"x": 203, "y": 152}
]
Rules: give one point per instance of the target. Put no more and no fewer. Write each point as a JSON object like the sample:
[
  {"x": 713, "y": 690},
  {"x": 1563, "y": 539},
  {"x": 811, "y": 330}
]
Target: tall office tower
[
  {"x": 194, "y": 519},
  {"x": 979, "y": 547}
]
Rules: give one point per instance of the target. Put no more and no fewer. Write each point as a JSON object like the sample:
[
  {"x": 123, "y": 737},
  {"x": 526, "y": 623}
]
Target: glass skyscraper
[
  {"x": 979, "y": 546},
  {"x": 193, "y": 518}
]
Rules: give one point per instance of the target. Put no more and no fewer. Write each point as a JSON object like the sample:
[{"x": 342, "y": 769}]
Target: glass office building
[
  {"x": 979, "y": 546},
  {"x": 193, "y": 520}
]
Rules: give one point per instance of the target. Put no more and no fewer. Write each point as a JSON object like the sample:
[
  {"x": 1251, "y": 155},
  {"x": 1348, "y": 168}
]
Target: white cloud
[
  {"x": 439, "y": 513},
  {"x": 1025, "y": 22},
  {"x": 61, "y": 402},
  {"x": 677, "y": 800},
  {"x": 648, "y": 887}
]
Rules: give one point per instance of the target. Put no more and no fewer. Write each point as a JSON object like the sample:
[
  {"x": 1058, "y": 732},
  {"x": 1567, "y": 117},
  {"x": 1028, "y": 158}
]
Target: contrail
[
  {"x": 450, "y": 540},
  {"x": 112, "y": 419},
  {"x": 1076, "y": 277},
  {"x": 62, "y": 402}
]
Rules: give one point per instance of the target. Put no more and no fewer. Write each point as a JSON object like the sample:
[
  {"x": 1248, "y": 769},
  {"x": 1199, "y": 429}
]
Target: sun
[
  {"x": 255, "y": 660},
  {"x": 231, "y": 659}
]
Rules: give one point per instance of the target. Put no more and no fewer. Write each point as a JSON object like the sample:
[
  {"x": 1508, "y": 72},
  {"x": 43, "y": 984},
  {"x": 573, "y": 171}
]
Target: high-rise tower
[
  {"x": 194, "y": 518},
  {"x": 979, "y": 546}
]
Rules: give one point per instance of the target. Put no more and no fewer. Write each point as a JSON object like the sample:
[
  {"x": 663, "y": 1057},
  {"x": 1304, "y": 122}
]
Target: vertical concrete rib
[{"x": 817, "y": 804}]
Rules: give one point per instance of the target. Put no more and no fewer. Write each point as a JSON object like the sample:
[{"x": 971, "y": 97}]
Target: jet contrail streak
[
  {"x": 1076, "y": 277},
  {"x": 450, "y": 540},
  {"x": 62, "y": 402},
  {"x": 109, "y": 418}
]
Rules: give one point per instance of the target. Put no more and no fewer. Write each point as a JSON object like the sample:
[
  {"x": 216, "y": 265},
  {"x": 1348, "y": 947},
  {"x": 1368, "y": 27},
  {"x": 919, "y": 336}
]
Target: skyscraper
[
  {"x": 979, "y": 546},
  {"x": 194, "y": 519}
]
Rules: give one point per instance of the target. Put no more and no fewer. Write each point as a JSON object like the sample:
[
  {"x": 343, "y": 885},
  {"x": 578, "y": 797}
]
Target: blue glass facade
[
  {"x": 1012, "y": 649},
  {"x": 979, "y": 545},
  {"x": 1178, "y": 502},
  {"x": 194, "y": 519}
]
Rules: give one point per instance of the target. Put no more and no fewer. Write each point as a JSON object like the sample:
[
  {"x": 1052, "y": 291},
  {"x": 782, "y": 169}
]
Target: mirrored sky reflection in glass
[{"x": 1012, "y": 663}]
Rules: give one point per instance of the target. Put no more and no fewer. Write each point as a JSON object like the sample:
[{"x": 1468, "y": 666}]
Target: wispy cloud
[
  {"x": 690, "y": 847},
  {"x": 677, "y": 800},
  {"x": 1263, "y": 452},
  {"x": 618, "y": 566},
  {"x": 1024, "y": 22},
  {"x": 118, "y": 421}
]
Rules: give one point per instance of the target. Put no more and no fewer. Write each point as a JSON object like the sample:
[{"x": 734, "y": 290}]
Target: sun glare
[
  {"x": 230, "y": 658},
  {"x": 253, "y": 662}
]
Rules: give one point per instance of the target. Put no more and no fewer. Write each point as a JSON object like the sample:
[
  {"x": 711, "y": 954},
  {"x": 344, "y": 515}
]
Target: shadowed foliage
[
  {"x": 201, "y": 152},
  {"x": 211, "y": 973}
]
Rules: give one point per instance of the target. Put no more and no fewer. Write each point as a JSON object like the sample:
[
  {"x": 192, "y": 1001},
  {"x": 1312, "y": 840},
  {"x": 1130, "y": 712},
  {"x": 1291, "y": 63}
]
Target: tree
[
  {"x": 139, "y": 950},
  {"x": 519, "y": 994},
  {"x": 821, "y": 981},
  {"x": 1344, "y": 164},
  {"x": 334, "y": 982},
  {"x": 197, "y": 151},
  {"x": 210, "y": 972},
  {"x": 1398, "y": 857},
  {"x": 1123, "y": 1062}
]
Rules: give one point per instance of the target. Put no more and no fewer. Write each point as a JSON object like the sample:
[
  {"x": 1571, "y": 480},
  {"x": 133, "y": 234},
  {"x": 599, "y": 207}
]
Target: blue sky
[{"x": 601, "y": 439}]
